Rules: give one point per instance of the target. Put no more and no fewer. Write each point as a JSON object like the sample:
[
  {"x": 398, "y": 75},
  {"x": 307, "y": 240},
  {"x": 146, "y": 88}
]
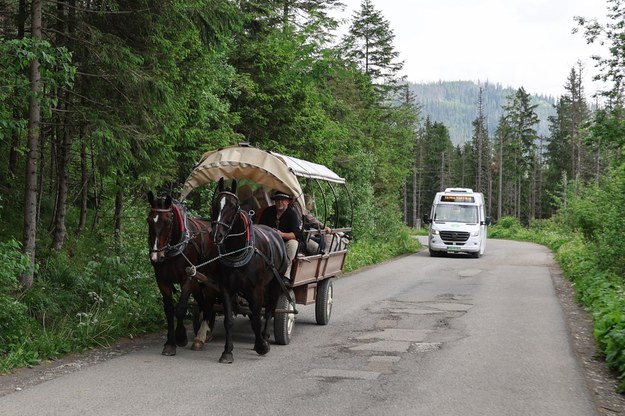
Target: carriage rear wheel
[
  {"x": 283, "y": 322},
  {"x": 323, "y": 304}
]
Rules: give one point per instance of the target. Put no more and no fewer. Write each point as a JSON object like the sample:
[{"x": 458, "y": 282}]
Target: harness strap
[
  {"x": 247, "y": 251},
  {"x": 285, "y": 290}
]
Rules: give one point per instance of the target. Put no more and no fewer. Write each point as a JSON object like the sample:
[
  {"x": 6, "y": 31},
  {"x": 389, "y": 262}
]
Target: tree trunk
[
  {"x": 30, "y": 194},
  {"x": 500, "y": 196},
  {"x": 119, "y": 213},
  {"x": 83, "y": 188},
  {"x": 404, "y": 192},
  {"x": 414, "y": 196},
  {"x": 62, "y": 190}
]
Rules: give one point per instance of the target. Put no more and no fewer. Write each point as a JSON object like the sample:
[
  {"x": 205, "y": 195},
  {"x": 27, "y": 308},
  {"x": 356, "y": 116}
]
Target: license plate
[{"x": 453, "y": 248}]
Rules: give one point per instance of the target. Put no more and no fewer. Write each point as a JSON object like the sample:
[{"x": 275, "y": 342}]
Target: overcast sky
[{"x": 511, "y": 42}]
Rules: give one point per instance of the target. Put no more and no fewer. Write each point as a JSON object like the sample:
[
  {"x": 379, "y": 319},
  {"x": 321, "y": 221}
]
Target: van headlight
[
  {"x": 435, "y": 232},
  {"x": 475, "y": 233}
]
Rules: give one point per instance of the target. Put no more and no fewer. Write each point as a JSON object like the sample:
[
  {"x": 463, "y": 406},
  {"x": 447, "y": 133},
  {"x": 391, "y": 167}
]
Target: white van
[{"x": 457, "y": 223}]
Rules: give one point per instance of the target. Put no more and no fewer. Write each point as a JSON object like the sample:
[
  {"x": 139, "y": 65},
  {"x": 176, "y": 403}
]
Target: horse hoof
[
  {"x": 197, "y": 346},
  {"x": 169, "y": 350},
  {"x": 226, "y": 358},
  {"x": 262, "y": 349},
  {"x": 182, "y": 342}
]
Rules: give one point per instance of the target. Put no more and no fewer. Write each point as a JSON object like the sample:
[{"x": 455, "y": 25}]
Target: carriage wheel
[
  {"x": 325, "y": 298},
  {"x": 283, "y": 323}
]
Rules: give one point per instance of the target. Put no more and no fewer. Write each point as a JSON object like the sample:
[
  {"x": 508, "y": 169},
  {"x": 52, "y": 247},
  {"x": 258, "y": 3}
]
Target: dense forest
[
  {"x": 454, "y": 103},
  {"x": 522, "y": 172},
  {"x": 102, "y": 101}
]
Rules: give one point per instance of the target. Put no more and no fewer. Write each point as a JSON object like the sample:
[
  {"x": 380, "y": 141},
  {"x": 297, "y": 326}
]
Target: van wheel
[
  {"x": 477, "y": 254},
  {"x": 435, "y": 253}
]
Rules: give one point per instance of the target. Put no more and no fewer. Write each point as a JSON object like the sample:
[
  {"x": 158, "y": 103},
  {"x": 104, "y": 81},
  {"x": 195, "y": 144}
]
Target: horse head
[
  {"x": 160, "y": 226},
  {"x": 225, "y": 211}
]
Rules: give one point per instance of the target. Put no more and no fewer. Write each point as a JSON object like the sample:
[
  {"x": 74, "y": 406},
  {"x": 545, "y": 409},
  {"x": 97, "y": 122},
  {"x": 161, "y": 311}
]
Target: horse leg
[
  {"x": 268, "y": 315},
  {"x": 181, "y": 312},
  {"x": 207, "y": 316},
  {"x": 226, "y": 356},
  {"x": 261, "y": 346},
  {"x": 168, "y": 305},
  {"x": 273, "y": 292}
]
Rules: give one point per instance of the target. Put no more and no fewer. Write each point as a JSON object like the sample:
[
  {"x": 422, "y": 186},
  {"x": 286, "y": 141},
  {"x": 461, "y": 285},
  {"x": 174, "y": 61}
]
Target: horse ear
[
  {"x": 220, "y": 186},
  {"x": 168, "y": 201},
  {"x": 234, "y": 186},
  {"x": 151, "y": 198}
]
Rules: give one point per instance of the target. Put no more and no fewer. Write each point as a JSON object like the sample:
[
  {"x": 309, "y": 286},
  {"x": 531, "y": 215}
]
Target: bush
[
  {"x": 365, "y": 252},
  {"x": 96, "y": 291},
  {"x": 506, "y": 227},
  {"x": 14, "y": 317}
]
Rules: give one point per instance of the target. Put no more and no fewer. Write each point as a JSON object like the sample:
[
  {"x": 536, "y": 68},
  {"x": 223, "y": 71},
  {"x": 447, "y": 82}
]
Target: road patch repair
[{"x": 389, "y": 343}]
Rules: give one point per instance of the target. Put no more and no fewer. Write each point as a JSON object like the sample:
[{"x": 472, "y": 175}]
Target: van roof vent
[{"x": 467, "y": 190}]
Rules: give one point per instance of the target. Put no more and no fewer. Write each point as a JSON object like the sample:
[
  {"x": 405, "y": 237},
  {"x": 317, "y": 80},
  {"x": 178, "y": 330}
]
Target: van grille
[{"x": 460, "y": 236}]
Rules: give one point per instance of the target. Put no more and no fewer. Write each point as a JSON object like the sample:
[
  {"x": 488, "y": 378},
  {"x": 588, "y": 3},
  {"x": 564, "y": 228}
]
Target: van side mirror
[
  {"x": 426, "y": 219},
  {"x": 488, "y": 221}
]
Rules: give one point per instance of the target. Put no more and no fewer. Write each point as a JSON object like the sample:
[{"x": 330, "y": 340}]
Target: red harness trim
[
  {"x": 179, "y": 216},
  {"x": 246, "y": 222}
]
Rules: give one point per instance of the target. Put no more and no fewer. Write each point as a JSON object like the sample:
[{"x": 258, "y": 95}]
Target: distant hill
[{"x": 454, "y": 103}]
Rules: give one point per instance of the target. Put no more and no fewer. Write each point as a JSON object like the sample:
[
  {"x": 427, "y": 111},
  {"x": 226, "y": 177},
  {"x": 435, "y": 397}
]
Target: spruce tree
[
  {"x": 568, "y": 154},
  {"x": 520, "y": 155},
  {"x": 369, "y": 45}
]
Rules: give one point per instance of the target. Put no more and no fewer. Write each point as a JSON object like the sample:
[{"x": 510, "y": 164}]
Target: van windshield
[{"x": 456, "y": 213}]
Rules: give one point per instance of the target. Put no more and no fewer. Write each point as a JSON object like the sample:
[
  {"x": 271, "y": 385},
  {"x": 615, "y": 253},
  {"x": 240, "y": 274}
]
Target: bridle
[
  {"x": 241, "y": 256},
  {"x": 228, "y": 226},
  {"x": 168, "y": 247}
]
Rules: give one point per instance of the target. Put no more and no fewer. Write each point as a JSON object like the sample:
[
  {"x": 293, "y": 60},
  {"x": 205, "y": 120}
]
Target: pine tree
[
  {"x": 568, "y": 155},
  {"x": 369, "y": 45},
  {"x": 481, "y": 149},
  {"x": 520, "y": 155},
  {"x": 32, "y": 164}
]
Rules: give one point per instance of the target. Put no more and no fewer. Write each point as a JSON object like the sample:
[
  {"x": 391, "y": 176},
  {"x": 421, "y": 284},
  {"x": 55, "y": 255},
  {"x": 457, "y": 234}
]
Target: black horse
[
  {"x": 177, "y": 244},
  {"x": 252, "y": 259}
]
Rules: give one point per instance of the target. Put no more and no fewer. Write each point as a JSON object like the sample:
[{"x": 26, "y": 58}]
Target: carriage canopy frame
[{"x": 271, "y": 169}]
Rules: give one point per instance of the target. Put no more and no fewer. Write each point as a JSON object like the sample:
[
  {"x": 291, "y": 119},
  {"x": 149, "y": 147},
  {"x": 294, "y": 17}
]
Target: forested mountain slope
[{"x": 454, "y": 103}]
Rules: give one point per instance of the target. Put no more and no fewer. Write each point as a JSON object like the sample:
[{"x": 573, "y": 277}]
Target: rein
[{"x": 241, "y": 256}]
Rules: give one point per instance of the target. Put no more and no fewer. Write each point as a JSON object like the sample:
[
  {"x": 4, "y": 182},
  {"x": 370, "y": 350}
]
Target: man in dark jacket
[{"x": 283, "y": 218}]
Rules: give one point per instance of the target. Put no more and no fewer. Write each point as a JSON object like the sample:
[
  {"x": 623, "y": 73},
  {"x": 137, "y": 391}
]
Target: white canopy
[
  {"x": 307, "y": 169},
  {"x": 266, "y": 168}
]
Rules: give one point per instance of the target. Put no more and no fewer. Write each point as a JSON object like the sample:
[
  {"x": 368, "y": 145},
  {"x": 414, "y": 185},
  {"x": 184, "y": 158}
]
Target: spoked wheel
[
  {"x": 283, "y": 322},
  {"x": 323, "y": 304}
]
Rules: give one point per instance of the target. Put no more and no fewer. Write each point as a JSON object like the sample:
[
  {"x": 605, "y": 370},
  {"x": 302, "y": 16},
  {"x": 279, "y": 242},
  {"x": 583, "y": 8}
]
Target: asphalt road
[{"x": 415, "y": 336}]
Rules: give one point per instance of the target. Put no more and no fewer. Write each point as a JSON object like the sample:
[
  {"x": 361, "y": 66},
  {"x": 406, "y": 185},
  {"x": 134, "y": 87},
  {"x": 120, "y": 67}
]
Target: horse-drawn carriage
[{"x": 243, "y": 250}]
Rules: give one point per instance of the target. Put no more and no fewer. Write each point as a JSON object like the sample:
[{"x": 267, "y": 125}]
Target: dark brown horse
[
  {"x": 178, "y": 243},
  {"x": 251, "y": 260}
]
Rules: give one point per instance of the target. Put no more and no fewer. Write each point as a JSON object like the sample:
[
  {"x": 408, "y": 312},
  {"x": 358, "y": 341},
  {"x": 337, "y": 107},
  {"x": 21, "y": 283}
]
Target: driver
[{"x": 283, "y": 218}]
